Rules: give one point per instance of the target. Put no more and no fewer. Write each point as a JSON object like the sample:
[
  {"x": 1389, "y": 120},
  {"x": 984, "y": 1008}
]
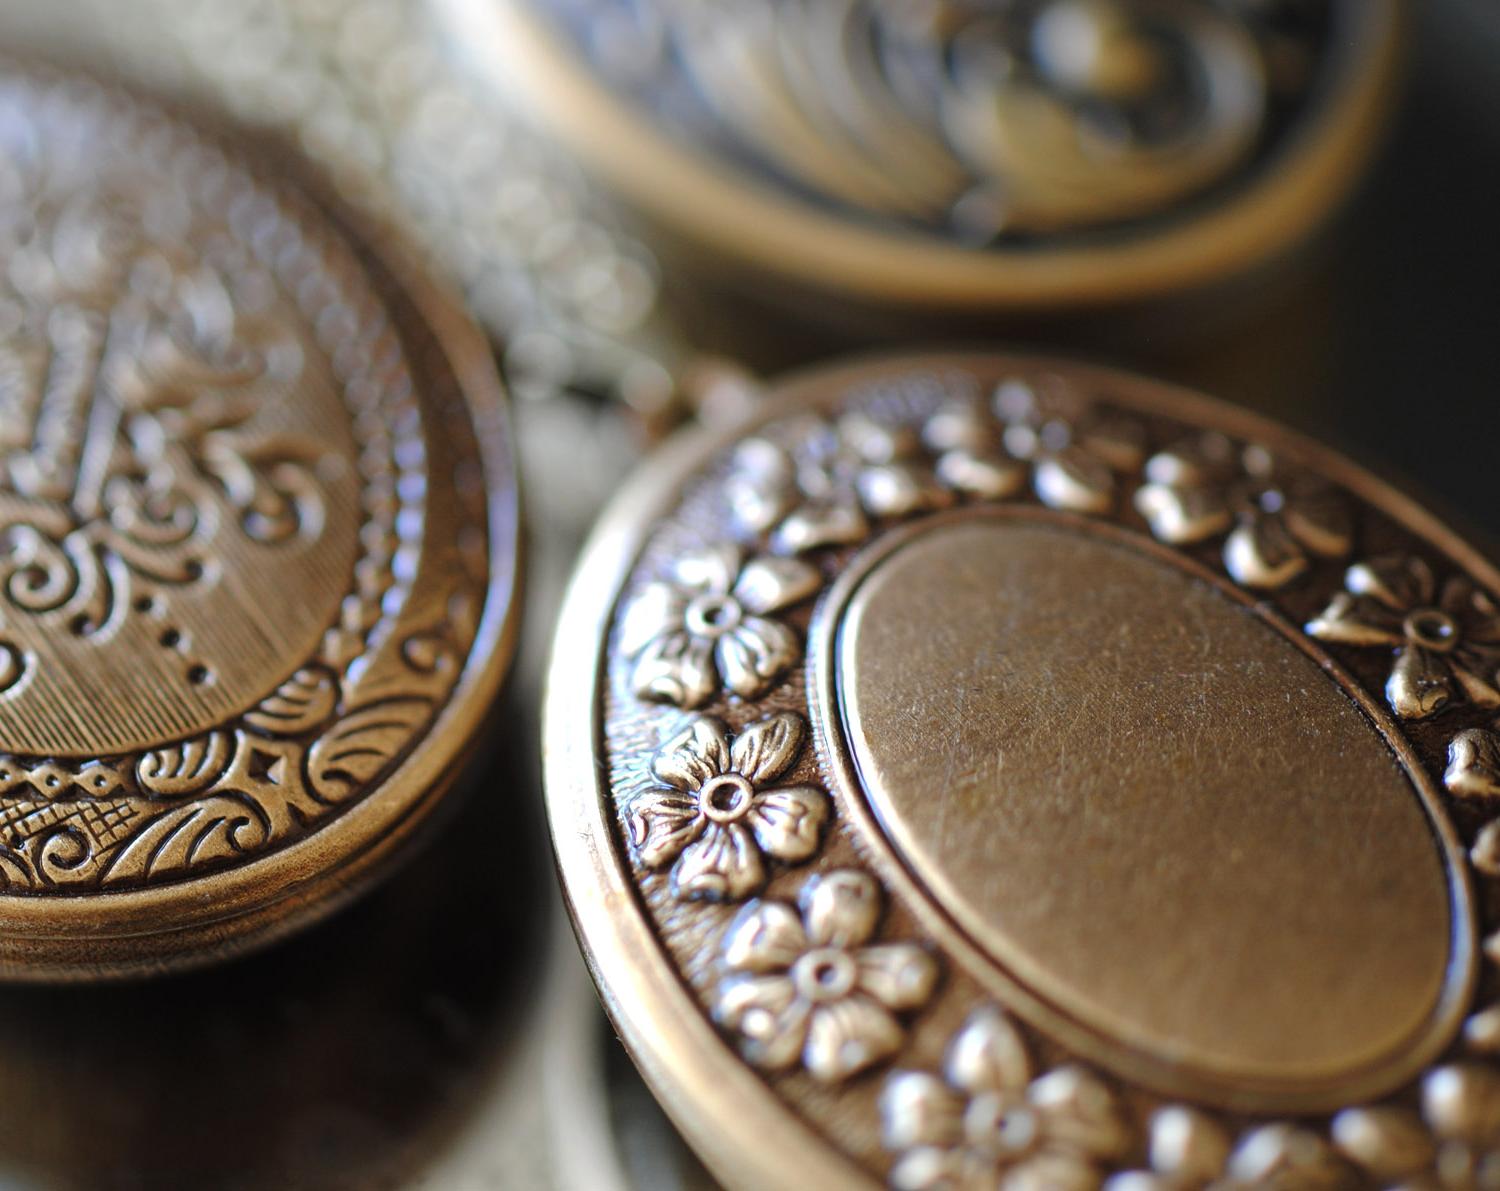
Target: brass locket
[
  {"x": 259, "y": 528},
  {"x": 979, "y": 768}
]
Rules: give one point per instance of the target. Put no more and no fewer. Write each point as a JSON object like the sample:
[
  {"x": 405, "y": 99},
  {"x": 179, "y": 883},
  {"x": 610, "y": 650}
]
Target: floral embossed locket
[
  {"x": 257, "y": 542},
  {"x": 990, "y": 771}
]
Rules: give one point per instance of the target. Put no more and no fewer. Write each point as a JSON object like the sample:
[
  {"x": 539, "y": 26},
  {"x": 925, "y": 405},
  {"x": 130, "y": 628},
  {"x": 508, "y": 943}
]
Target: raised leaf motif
[
  {"x": 357, "y": 748},
  {"x": 179, "y": 770},
  {"x": 305, "y": 700},
  {"x": 186, "y": 836}
]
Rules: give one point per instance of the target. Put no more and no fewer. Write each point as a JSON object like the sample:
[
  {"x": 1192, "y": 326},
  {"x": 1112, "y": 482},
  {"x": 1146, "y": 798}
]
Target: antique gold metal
[
  {"x": 1038, "y": 156},
  {"x": 258, "y": 539},
  {"x": 978, "y": 765}
]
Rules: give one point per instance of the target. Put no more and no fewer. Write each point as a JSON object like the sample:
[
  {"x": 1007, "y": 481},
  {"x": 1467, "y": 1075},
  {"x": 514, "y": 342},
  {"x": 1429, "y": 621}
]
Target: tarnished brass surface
[
  {"x": 1002, "y": 767},
  {"x": 260, "y": 531},
  {"x": 1043, "y": 155},
  {"x": 1144, "y": 815}
]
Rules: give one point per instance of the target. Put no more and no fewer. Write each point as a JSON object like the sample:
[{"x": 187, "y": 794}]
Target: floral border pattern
[{"x": 804, "y": 492}]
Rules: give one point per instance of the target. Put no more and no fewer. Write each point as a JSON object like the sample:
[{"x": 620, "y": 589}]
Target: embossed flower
[
  {"x": 1274, "y": 520},
  {"x": 1447, "y": 645},
  {"x": 970, "y": 449},
  {"x": 809, "y": 988},
  {"x": 1474, "y": 765},
  {"x": 717, "y": 813},
  {"x": 823, "y": 489},
  {"x": 1189, "y": 1150},
  {"x": 1453, "y": 1145},
  {"x": 987, "y": 1123},
  {"x": 1076, "y": 451},
  {"x": 710, "y": 628}
]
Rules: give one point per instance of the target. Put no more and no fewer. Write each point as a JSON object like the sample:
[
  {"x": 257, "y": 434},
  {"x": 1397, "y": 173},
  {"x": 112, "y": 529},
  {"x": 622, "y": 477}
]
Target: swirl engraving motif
[
  {"x": 981, "y": 122},
  {"x": 196, "y": 377}
]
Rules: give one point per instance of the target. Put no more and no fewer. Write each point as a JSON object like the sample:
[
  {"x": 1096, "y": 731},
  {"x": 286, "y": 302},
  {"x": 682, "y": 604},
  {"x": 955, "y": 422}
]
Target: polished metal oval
[{"x": 1145, "y": 803}]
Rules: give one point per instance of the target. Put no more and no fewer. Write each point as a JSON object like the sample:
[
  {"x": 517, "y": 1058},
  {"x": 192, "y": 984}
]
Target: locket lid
[
  {"x": 990, "y": 764},
  {"x": 259, "y": 526}
]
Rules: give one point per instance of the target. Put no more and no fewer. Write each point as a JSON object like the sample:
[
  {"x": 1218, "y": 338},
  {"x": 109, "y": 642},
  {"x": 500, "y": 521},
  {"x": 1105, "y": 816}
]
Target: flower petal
[
  {"x": 988, "y": 1055},
  {"x": 1187, "y": 1145},
  {"x": 846, "y": 1036},
  {"x": 661, "y": 824},
  {"x": 1183, "y": 516},
  {"x": 813, "y": 526},
  {"x": 789, "y": 822},
  {"x": 676, "y": 669},
  {"x": 700, "y": 751},
  {"x": 1075, "y": 481},
  {"x": 1474, "y": 765},
  {"x": 1420, "y": 684},
  {"x": 769, "y": 1017},
  {"x": 898, "y": 975},
  {"x": 1399, "y": 582},
  {"x": 1473, "y": 609},
  {"x": 1080, "y": 1112},
  {"x": 1477, "y": 669},
  {"x": 931, "y": 1168},
  {"x": 1390, "y": 1143},
  {"x": 754, "y": 654},
  {"x": 656, "y": 612},
  {"x": 1352, "y": 620},
  {"x": 875, "y": 441},
  {"x": 764, "y": 750},
  {"x": 1192, "y": 463},
  {"x": 1052, "y": 1171},
  {"x": 764, "y": 937},
  {"x": 1016, "y": 401},
  {"x": 1261, "y": 553},
  {"x": 723, "y": 865},
  {"x": 764, "y": 460},
  {"x": 986, "y": 474},
  {"x": 840, "y": 908},
  {"x": 1119, "y": 441},
  {"x": 1284, "y": 1155},
  {"x": 770, "y": 584},
  {"x": 756, "y": 505},
  {"x": 761, "y": 487},
  {"x": 918, "y": 1109},
  {"x": 1319, "y": 518},
  {"x": 960, "y": 425},
  {"x": 1462, "y": 1101},
  {"x": 897, "y": 489},
  {"x": 1484, "y": 855},
  {"x": 711, "y": 570}
]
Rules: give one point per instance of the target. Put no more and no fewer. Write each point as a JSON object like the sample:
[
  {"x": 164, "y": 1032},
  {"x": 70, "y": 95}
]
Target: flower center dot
[
  {"x": 713, "y": 615},
  {"x": 726, "y": 798},
  {"x": 1271, "y": 500},
  {"x": 999, "y": 1126},
  {"x": 824, "y": 975},
  {"x": 1431, "y": 629}
]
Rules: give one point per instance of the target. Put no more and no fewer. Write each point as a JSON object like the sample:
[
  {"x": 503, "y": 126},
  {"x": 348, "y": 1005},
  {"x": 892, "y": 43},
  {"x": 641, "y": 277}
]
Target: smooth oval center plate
[{"x": 1145, "y": 803}]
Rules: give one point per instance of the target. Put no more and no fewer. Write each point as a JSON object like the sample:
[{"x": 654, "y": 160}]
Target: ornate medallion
[
  {"x": 1036, "y": 154},
  {"x": 987, "y": 771},
  {"x": 257, "y": 541}
]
